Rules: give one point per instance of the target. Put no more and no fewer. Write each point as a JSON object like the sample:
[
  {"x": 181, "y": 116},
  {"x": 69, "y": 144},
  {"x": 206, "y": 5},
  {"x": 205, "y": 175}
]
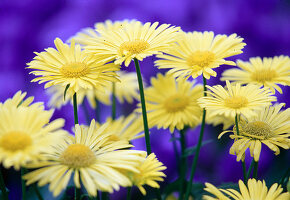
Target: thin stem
[
  {"x": 105, "y": 196},
  {"x": 113, "y": 101},
  {"x": 182, "y": 163},
  {"x": 97, "y": 110},
  {"x": 255, "y": 171},
  {"x": 194, "y": 162},
  {"x": 38, "y": 194},
  {"x": 129, "y": 193},
  {"x": 144, "y": 112},
  {"x": 285, "y": 176},
  {"x": 77, "y": 193},
  {"x": 3, "y": 188},
  {"x": 250, "y": 169},
  {"x": 75, "y": 104},
  {"x": 23, "y": 186}
]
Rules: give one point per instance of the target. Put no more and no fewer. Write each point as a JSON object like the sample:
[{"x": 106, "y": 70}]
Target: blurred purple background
[{"x": 29, "y": 25}]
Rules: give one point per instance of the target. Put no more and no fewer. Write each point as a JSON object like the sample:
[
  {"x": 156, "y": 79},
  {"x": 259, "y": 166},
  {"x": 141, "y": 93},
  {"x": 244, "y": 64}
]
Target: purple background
[{"x": 27, "y": 26}]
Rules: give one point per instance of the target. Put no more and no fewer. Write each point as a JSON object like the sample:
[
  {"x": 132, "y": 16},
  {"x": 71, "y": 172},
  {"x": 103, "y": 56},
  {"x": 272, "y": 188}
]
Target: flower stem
[
  {"x": 255, "y": 171},
  {"x": 129, "y": 193},
  {"x": 38, "y": 194},
  {"x": 194, "y": 162},
  {"x": 182, "y": 163},
  {"x": 97, "y": 110},
  {"x": 3, "y": 188},
  {"x": 105, "y": 196},
  {"x": 77, "y": 193},
  {"x": 75, "y": 104},
  {"x": 144, "y": 112},
  {"x": 113, "y": 101},
  {"x": 250, "y": 169},
  {"x": 23, "y": 187}
]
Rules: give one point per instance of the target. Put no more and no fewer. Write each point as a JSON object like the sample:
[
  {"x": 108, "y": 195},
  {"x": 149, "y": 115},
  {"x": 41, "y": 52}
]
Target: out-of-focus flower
[
  {"x": 270, "y": 126},
  {"x": 18, "y": 100},
  {"x": 197, "y": 53},
  {"x": 172, "y": 103},
  {"x": 268, "y": 72},
  {"x": 236, "y": 99},
  {"x": 256, "y": 190},
  {"x": 216, "y": 120}
]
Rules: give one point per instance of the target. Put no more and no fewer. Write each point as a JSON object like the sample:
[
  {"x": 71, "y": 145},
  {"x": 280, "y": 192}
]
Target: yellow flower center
[
  {"x": 77, "y": 155},
  {"x": 263, "y": 75},
  {"x": 74, "y": 70},
  {"x": 133, "y": 47},
  {"x": 258, "y": 129},
  {"x": 200, "y": 59},
  {"x": 236, "y": 102},
  {"x": 176, "y": 103},
  {"x": 15, "y": 141}
]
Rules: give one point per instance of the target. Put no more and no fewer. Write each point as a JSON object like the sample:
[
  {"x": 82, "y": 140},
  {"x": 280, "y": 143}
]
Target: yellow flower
[
  {"x": 132, "y": 40},
  {"x": 197, "y": 53},
  {"x": 70, "y": 65},
  {"x": 216, "y": 120},
  {"x": 256, "y": 190},
  {"x": 268, "y": 72},
  {"x": 173, "y": 103},
  {"x": 85, "y": 157},
  {"x": 235, "y": 99},
  {"x": 270, "y": 126},
  {"x": 150, "y": 171},
  {"x": 25, "y": 133},
  {"x": 18, "y": 100}
]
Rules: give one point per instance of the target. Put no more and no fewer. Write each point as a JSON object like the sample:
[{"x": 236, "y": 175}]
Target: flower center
[
  {"x": 15, "y": 141},
  {"x": 236, "y": 102},
  {"x": 263, "y": 75},
  {"x": 200, "y": 59},
  {"x": 176, "y": 103},
  {"x": 74, "y": 70},
  {"x": 133, "y": 47},
  {"x": 77, "y": 155},
  {"x": 260, "y": 129}
]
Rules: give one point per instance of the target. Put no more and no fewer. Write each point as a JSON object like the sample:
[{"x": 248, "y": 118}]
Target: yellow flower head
[
  {"x": 150, "y": 171},
  {"x": 197, "y": 53},
  {"x": 235, "y": 99},
  {"x": 70, "y": 65},
  {"x": 132, "y": 40},
  {"x": 268, "y": 72},
  {"x": 173, "y": 103},
  {"x": 18, "y": 100},
  {"x": 85, "y": 156},
  {"x": 256, "y": 190},
  {"x": 26, "y": 132},
  {"x": 270, "y": 126},
  {"x": 216, "y": 120}
]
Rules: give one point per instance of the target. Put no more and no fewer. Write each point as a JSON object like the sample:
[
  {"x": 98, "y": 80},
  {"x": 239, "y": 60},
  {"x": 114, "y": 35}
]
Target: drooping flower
[
  {"x": 235, "y": 99},
  {"x": 256, "y": 190},
  {"x": 270, "y": 126},
  {"x": 197, "y": 53},
  {"x": 88, "y": 160},
  {"x": 173, "y": 103},
  {"x": 131, "y": 39},
  {"x": 268, "y": 72},
  {"x": 70, "y": 65}
]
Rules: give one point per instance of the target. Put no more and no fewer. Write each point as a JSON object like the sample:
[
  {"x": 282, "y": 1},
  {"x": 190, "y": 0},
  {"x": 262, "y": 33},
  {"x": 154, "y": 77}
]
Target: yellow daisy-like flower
[
  {"x": 70, "y": 65},
  {"x": 270, "y": 126},
  {"x": 150, "y": 171},
  {"x": 235, "y": 99},
  {"x": 25, "y": 133},
  {"x": 132, "y": 40},
  {"x": 173, "y": 103},
  {"x": 268, "y": 72},
  {"x": 197, "y": 53},
  {"x": 86, "y": 158},
  {"x": 256, "y": 190},
  {"x": 18, "y": 100},
  {"x": 216, "y": 120}
]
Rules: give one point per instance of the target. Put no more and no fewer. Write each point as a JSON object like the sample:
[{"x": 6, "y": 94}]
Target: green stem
[
  {"x": 144, "y": 112},
  {"x": 255, "y": 171},
  {"x": 183, "y": 164},
  {"x": 250, "y": 169},
  {"x": 2, "y": 186},
  {"x": 285, "y": 177},
  {"x": 23, "y": 186},
  {"x": 129, "y": 193},
  {"x": 113, "y": 101},
  {"x": 38, "y": 194},
  {"x": 97, "y": 110},
  {"x": 194, "y": 162},
  {"x": 75, "y": 105},
  {"x": 105, "y": 196},
  {"x": 77, "y": 193}
]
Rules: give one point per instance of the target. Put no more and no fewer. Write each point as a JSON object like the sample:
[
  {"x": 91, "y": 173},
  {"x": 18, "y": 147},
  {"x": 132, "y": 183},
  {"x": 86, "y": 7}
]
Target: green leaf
[
  {"x": 191, "y": 150},
  {"x": 65, "y": 90}
]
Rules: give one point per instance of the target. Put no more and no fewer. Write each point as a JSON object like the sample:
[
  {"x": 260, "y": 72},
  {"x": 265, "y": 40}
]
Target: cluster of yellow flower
[{"x": 98, "y": 156}]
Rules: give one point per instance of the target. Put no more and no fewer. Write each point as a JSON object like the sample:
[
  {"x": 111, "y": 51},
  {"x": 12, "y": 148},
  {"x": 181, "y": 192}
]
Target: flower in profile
[
  {"x": 150, "y": 171},
  {"x": 268, "y": 72},
  {"x": 172, "y": 103},
  {"x": 69, "y": 65},
  {"x": 197, "y": 53},
  {"x": 235, "y": 99},
  {"x": 131, "y": 39},
  {"x": 256, "y": 190},
  {"x": 85, "y": 157},
  {"x": 270, "y": 126},
  {"x": 26, "y": 132}
]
